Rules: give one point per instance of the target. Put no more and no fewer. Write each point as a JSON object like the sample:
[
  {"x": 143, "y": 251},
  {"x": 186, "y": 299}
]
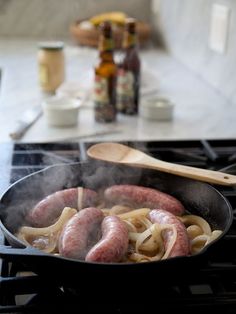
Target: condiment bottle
[
  {"x": 128, "y": 76},
  {"x": 51, "y": 65},
  {"x": 105, "y": 77}
]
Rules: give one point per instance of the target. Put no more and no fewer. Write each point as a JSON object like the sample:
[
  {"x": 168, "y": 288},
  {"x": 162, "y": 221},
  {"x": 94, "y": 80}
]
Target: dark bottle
[
  {"x": 128, "y": 77},
  {"x": 105, "y": 77}
]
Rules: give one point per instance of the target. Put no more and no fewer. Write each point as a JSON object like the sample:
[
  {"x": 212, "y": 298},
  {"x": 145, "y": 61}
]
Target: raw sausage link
[
  {"x": 49, "y": 209},
  {"x": 182, "y": 246},
  {"x": 80, "y": 233},
  {"x": 139, "y": 196},
  {"x": 114, "y": 243}
]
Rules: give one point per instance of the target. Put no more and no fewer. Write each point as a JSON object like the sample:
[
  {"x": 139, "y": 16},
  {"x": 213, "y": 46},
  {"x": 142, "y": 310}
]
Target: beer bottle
[
  {"x": 128, "y": 77},
  {"x": 105, "y": 77}
]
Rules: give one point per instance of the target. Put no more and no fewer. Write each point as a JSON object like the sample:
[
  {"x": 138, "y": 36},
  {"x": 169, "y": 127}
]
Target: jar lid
[{"x": 51, "y": 45}]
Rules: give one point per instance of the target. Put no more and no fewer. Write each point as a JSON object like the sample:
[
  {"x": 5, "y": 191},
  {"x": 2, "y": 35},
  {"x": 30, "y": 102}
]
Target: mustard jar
[{"x": 51, "y": 65}]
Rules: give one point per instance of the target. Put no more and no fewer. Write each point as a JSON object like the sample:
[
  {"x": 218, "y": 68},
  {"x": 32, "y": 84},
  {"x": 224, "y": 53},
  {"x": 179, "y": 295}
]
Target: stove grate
[{"x": 213, "y": 287}]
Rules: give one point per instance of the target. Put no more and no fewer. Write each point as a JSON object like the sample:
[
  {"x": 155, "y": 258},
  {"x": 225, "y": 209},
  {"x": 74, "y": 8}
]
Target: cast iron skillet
[{"x": 198, "y": 198}]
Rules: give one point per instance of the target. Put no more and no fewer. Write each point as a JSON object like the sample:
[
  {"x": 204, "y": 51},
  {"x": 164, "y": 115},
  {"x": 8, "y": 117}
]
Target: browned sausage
[
  {"x": 80, "y": 233},
  {"x": 139, "y": 196},
  {"x": 114, "y": 243},
  {"x": 49, "y": 209},
  {"x": 181, "y": 247}
]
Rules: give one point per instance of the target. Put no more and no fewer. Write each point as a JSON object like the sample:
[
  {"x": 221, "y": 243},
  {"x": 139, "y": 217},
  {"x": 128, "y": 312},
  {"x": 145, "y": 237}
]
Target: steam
[
  {"x": 27, "y": 192},
  {"x": 5, "y": 166},
  {"x": 95, "y": 175}
]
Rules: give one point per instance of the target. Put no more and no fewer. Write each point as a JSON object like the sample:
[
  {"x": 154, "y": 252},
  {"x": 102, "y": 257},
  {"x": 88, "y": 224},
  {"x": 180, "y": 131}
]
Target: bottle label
[
  {"x": 104, "y": 109},
  {"x": 125, "y": 83},
  {"x": 125, "y": 90},
  {"x": 101, "y": 96},
  {"x": 43, "y": 74}
]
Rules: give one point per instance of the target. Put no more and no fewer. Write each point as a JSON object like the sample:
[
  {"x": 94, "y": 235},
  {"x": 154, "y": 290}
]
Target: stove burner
[{"x": 213, "y": 288}]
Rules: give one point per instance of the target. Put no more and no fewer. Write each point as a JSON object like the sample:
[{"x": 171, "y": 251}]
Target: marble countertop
[{"x": 199, "y": 112}]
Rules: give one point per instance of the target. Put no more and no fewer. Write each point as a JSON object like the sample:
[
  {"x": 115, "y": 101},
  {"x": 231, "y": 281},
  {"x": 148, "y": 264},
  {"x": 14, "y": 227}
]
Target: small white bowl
[
  {"x": 157, "y": 109},
  {"x": 61, "y": 111}
]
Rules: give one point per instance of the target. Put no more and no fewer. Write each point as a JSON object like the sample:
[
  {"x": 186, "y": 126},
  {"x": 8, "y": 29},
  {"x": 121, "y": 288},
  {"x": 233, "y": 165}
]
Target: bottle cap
[{"x": 130, "y": 25}]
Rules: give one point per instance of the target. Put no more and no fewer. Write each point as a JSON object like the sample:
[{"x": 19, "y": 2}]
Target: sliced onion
[
  {"x": 194, "y": 231},
  {"x": 33, "y": 236},
  {"x": 196, "y": 220},
  {"x": 173, "y": 238},
  {"x": 106, "y": 211},
  {"x": 215, "y": 234},
  {"x": 131, "y": 227},
  {"x": 120, "y": 209},
  {"x": 199, "y": 242},
  {"x": 135, "y": 213}
]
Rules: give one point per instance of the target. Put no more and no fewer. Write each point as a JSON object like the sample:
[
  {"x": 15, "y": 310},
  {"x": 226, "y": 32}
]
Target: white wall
[
  {"x": 185, "y": 26},
  {"x": 50, "y": 18}
]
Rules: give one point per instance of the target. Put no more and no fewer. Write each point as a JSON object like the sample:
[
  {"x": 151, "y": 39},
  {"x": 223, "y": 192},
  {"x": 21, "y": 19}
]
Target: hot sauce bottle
[
  {"x": 105, "y": 77},
  {"x": 128, "y": 76}
]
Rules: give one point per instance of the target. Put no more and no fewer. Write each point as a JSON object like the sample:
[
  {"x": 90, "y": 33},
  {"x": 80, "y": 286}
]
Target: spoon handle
[{"x": 209, "y": 176}]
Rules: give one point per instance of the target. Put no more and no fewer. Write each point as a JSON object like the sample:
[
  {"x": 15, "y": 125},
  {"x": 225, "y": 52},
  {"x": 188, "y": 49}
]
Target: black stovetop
[{"x": 214, "y": 289}]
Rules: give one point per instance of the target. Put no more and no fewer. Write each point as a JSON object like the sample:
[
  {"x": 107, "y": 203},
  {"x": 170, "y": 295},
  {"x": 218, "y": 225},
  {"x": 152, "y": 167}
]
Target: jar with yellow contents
[{"x": 51, "y": 65}]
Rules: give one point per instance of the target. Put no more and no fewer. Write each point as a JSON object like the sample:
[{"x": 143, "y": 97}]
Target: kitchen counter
[{"x": 200, "y": 111}]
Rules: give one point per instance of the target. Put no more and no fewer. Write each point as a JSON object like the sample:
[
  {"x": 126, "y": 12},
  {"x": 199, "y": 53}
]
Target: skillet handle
[{"x": 9, "y": 252}]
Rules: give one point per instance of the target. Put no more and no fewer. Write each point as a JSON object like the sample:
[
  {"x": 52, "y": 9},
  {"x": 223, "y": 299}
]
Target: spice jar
[{"x": 51, "y": 64}]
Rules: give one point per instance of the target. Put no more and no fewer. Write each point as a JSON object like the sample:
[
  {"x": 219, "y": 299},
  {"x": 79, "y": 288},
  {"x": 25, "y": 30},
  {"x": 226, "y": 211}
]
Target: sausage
[
  {"x": 139, "y": 196},
  {"x": 80, "y": 233},
  {"x": 182, "y": 246},
  {"x": 47, "y": 211},
  {"x": 114, "y": 243}
]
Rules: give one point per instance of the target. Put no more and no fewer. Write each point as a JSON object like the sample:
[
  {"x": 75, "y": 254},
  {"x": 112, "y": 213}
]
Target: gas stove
[{"x": 214, "y": 289}]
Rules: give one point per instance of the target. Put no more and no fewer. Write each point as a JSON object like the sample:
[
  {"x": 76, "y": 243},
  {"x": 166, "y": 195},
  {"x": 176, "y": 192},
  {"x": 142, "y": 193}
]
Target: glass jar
[{"x": 51, "y": 64}]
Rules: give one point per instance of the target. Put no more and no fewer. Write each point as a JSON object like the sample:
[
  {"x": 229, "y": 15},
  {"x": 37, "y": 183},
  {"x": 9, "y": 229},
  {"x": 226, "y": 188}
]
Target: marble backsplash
[
  {"x": 52, "y": 18},
  {"x": 185, "y": 26},
  {"x": 181, "y": 25}
]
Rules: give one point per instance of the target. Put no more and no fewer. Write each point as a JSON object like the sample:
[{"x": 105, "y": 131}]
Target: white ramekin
[
  {"x": 157, "y": 109},
  {"x": 61, "y": 111}
]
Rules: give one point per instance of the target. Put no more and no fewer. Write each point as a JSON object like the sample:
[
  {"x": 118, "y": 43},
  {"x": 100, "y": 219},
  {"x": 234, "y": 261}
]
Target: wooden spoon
[{"x": 122, "y": 154}]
